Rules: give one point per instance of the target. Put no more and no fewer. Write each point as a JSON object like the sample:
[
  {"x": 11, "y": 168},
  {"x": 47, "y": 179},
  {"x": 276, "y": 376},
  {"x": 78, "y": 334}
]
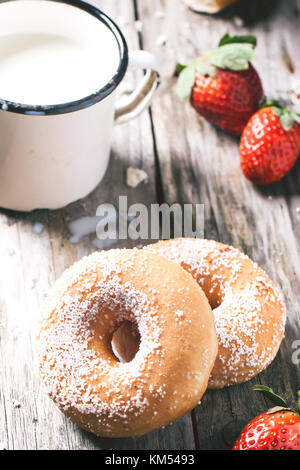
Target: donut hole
[
  {"x": 125, "y": 341},
  {"x": 214, "y": 302},
  {"x": 211, "y": 287},
  {"x": 214, "y": 295}
]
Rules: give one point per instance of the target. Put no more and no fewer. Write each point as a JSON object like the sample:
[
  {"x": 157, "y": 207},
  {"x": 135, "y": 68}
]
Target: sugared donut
[
  {"x": 248, "y": 309},
  {"x": 178, "y": 344}
]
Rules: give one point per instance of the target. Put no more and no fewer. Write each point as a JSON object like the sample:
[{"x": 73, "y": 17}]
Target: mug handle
[{"x": 142, "y": 96}]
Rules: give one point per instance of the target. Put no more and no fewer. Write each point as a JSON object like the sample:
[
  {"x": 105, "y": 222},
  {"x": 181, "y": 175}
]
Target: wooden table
[{"x": 187, "y": 161}]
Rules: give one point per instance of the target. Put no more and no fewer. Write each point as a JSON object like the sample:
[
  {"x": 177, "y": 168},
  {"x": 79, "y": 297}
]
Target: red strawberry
[
  {"x": 270, "y": 144},
  {"x": 278, "y": 429},
  {"x": 222, "y": 85}
]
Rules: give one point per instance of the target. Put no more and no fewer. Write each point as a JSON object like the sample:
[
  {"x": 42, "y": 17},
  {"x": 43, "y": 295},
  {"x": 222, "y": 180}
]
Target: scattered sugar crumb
[
  {"x": 186, "y": 27},
  {"x": 122, "y": 21},
  {"x": 160, "y": 14},
  {"x": 161, "y": 40},
  {"x": 238, "y": 21},
  {"x": 125, "y": 88},
  {"x": 295, "y": 92},
  {"x": 135, "y": 177},
  {"x": 16, "y": 403},
  {"x": 38, "y": 228},
  {"x": 138, "y": 26}
]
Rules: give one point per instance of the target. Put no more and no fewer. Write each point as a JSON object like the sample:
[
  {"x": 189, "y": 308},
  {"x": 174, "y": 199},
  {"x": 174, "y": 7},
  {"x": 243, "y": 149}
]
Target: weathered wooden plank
[
  {"x": 200, "y": 164},
  {"x": 29, "y": 265}
]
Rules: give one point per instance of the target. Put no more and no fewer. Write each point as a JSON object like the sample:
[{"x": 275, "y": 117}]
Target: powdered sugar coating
[
  {"x": 78, "y": 367},
  {"x": 248, "y": 309}
]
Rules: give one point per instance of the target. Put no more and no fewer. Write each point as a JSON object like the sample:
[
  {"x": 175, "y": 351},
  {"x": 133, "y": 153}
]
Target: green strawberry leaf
[
  {"x": 232, "y": 56},
  {"x": 186, "y": 78},
  {"x": 296, "y": 117},
  {"x": 247, "y": 38},
  {"x": 180, "y": 68},
  {"x": 265, "y": 103},
  {"x": 287, "y": 117},
  {"x": 271, "y": 395},
  {"x": 202, "y": 65},
  {"x": 185, "y": 82},
  {"x": 278, "y": 409}
]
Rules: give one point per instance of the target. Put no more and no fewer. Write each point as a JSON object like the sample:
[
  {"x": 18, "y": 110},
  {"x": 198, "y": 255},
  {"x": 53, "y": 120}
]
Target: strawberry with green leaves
[
  {"x": 277, "y": 429},
  {"x": 222, "y": 85},
  {"x": 270, "y": 143}
]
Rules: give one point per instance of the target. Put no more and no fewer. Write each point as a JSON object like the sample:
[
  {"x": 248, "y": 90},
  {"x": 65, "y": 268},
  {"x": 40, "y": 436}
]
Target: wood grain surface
[{"x": 187, "y": 161}]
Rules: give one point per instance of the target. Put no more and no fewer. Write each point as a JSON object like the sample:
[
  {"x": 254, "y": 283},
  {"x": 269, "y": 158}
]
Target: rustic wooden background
[{"x": 187, "y": 161}]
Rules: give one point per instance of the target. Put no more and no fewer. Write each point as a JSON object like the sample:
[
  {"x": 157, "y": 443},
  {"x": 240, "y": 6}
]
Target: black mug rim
[{"x": 89, "y": 100}]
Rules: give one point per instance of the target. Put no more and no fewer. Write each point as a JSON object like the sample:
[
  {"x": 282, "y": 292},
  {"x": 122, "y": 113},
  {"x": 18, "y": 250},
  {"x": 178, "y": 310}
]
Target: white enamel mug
[{"x": 60, "y": 65}]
